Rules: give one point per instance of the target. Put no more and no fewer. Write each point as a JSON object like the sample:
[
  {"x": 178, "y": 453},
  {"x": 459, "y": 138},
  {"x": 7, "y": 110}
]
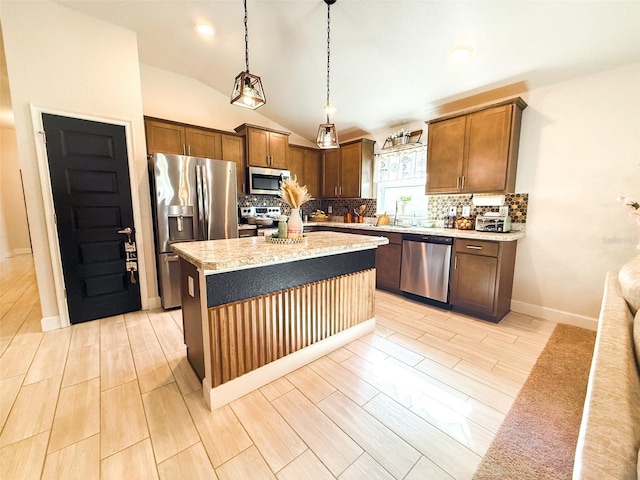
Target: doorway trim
[{"x": 62, "y": 319}]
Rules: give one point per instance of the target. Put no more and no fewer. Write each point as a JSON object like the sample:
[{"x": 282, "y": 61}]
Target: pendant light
[
  {"x": 247, "y": 89},
  {"x": 327, "y": 133}
]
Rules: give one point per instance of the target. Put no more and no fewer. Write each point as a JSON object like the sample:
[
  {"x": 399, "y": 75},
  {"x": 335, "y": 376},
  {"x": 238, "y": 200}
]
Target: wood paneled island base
[{"x": 244, "y": 327}]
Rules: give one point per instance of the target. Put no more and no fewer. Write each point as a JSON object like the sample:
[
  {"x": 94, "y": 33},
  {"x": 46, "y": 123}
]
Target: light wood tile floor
[{"x": 421, "y": 398}]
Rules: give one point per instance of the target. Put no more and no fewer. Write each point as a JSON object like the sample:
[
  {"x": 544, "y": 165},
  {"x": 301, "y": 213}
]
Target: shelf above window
[{"x": 412, "y": 141}]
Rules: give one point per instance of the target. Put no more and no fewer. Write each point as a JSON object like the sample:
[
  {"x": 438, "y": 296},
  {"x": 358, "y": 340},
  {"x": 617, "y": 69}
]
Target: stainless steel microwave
[{"x": 265, "y": 181}]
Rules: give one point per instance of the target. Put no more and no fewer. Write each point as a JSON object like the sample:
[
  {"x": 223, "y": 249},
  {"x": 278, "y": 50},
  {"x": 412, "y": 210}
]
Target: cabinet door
[
  {"x": 487, "y": 150},
  {"x": 233, "y": 151},
  {"x": 350, "y": 170},
  {"x": 330, "y": 172},
  {"x": 278, "y": 145},
  {"x": 296, "y": 164},
  {"x": 312, "y": 171},
  {"x": 473, "y": 285},
  {"x": 388, "y": 260},
  {"x": 257, "y": 147},
  {"x": 445, "y": 155},
  {"x": 164, "y": 137},
  {"x": 203, "y": 143}
]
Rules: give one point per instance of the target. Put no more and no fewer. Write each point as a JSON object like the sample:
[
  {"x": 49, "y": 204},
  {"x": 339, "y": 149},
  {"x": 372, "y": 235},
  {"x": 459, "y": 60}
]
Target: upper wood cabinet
[
  {"x": 164, "y": 136},
  {"x": 203, "y": 143},
  {"x": 265, "y": 148},
  {"x": 476, "y": 151},
  {"x": 304, "y": 163},
  {"x": 233, "y": 151},
  {"x": 171, "y": 137},
  {"x": 348, "y": 171}
]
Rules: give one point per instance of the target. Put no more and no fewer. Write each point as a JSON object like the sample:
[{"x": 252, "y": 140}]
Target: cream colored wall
[
  {"x": 579, "y": 150},
  {"x": 14, "y": 232},
  {"x": 175, "y": 97},
  {"x": 63, "y": 60}
]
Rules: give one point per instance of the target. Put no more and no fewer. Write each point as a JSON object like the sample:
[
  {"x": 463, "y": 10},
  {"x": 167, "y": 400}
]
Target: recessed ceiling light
[
  {"x": 462, "y": 52},
  {"x": 204, "y": 29}
]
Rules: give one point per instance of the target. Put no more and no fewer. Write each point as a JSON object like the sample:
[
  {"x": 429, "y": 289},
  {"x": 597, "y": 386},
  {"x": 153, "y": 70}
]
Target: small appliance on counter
[{"x": 493, "y": 222}]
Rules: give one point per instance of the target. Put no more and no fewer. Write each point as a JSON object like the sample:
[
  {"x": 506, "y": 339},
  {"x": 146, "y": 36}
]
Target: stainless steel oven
[{"x": 266, "y": 181}]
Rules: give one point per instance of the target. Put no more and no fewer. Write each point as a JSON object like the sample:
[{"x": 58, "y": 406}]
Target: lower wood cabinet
[
  {"x": 482, "y": 278},
  {"x": 388, "y": 260}
]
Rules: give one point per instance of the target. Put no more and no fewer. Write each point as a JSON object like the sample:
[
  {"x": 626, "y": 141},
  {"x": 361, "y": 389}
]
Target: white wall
[
  {"x": 175, "y": 97},
  {"x": 66, "y": 61},
  {"x": 579, "y": 150},
  {"x": 14, "y": 232}
]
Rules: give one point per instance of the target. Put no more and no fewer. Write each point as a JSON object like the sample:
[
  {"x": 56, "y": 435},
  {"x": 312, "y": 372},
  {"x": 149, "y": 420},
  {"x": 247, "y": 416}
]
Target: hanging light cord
[
  {"x": 328, "y": 54},
  {"x": 246, "y": 37}
]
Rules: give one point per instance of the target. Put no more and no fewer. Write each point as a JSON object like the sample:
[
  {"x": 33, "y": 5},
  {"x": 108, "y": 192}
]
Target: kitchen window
[{"x": 401, "y": 173}]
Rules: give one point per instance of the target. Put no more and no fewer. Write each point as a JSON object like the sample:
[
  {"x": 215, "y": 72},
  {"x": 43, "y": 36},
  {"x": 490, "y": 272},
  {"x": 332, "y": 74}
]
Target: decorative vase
[
  {"x": 294, "y": 226},
  {"x": 399, "y": 141}
]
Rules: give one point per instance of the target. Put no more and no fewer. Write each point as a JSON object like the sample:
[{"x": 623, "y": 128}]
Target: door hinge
[
  {"x": 44, "y": 136},
  {"x": 65, "y": 293}
]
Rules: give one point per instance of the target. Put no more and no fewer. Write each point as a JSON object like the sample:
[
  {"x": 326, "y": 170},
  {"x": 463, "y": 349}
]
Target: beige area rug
[{"x": 538, "y": 437}]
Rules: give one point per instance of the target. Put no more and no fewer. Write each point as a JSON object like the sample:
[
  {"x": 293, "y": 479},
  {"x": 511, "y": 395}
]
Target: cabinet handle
[
  {"x": 335, "y": 191},
  {"x": 463, "y": 182},
  {"x": 189, "y": 150},
  {"x": 457, "y": 183},
  {"x": 474, "y": 247},
  {"x": 184, "y": 151},
  {"x": 455, "y": 262},
  {"x": 340, "y": 190}
]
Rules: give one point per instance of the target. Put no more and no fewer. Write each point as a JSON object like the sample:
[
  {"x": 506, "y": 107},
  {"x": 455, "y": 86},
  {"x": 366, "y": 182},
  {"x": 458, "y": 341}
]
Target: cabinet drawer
[{"x": 477, "y": 247}]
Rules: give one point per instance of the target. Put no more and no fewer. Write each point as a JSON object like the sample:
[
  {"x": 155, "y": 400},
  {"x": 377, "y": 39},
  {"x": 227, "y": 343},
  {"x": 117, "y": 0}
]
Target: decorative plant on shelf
[{"x": 399, "y": 134}]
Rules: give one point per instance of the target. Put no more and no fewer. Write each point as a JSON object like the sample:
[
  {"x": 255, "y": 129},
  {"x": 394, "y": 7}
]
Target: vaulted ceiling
[{"x": 391, "y": 60}]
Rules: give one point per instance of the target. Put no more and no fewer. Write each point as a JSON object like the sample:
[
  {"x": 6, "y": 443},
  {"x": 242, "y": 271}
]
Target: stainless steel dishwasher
[{"x": 426, "y": 265}]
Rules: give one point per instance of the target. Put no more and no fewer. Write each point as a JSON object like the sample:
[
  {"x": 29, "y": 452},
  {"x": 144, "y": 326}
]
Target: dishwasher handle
[{"x": 428, "y": 239}]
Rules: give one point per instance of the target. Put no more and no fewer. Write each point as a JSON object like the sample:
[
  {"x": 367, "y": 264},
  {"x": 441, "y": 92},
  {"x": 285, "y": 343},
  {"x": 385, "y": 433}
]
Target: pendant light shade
[
  {"x": 327, "y": 133},
  {"x": 247, "y": 91},
  {"x": 247, "y": 88},
  {"x": 327, "y": 136}
]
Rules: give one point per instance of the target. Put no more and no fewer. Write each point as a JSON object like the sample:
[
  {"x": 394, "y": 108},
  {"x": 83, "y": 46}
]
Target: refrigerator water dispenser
[{"x": 180, "y": 223}]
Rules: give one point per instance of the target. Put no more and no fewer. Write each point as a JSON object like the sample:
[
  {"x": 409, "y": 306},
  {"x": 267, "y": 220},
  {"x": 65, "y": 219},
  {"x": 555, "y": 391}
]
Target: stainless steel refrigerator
[{"x": 193, "y": 199}]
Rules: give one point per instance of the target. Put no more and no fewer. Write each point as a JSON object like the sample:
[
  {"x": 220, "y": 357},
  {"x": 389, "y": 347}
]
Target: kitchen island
[{"x": 254, "y": 311}]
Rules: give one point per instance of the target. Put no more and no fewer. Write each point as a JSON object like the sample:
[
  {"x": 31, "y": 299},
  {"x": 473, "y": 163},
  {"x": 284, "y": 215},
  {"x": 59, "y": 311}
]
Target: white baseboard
[
  {"x": 50, "y": 323},
  {"x": 236, "y": 388},
  {"x": 558, "y": 316},
  {"x": 153, "y": 302}
]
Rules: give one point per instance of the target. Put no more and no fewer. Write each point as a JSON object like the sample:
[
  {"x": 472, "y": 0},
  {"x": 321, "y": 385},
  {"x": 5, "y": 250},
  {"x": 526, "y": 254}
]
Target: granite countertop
[
  {"x": 444, "y": 232},
  {"x": 216, "y": 256}
]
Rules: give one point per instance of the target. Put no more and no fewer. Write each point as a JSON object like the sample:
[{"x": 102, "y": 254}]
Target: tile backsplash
[{"x": 438, "y": 205}]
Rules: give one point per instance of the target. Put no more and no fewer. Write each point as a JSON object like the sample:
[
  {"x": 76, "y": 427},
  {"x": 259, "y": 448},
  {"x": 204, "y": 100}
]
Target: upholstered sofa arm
[{"x": 609, "y": 436}]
